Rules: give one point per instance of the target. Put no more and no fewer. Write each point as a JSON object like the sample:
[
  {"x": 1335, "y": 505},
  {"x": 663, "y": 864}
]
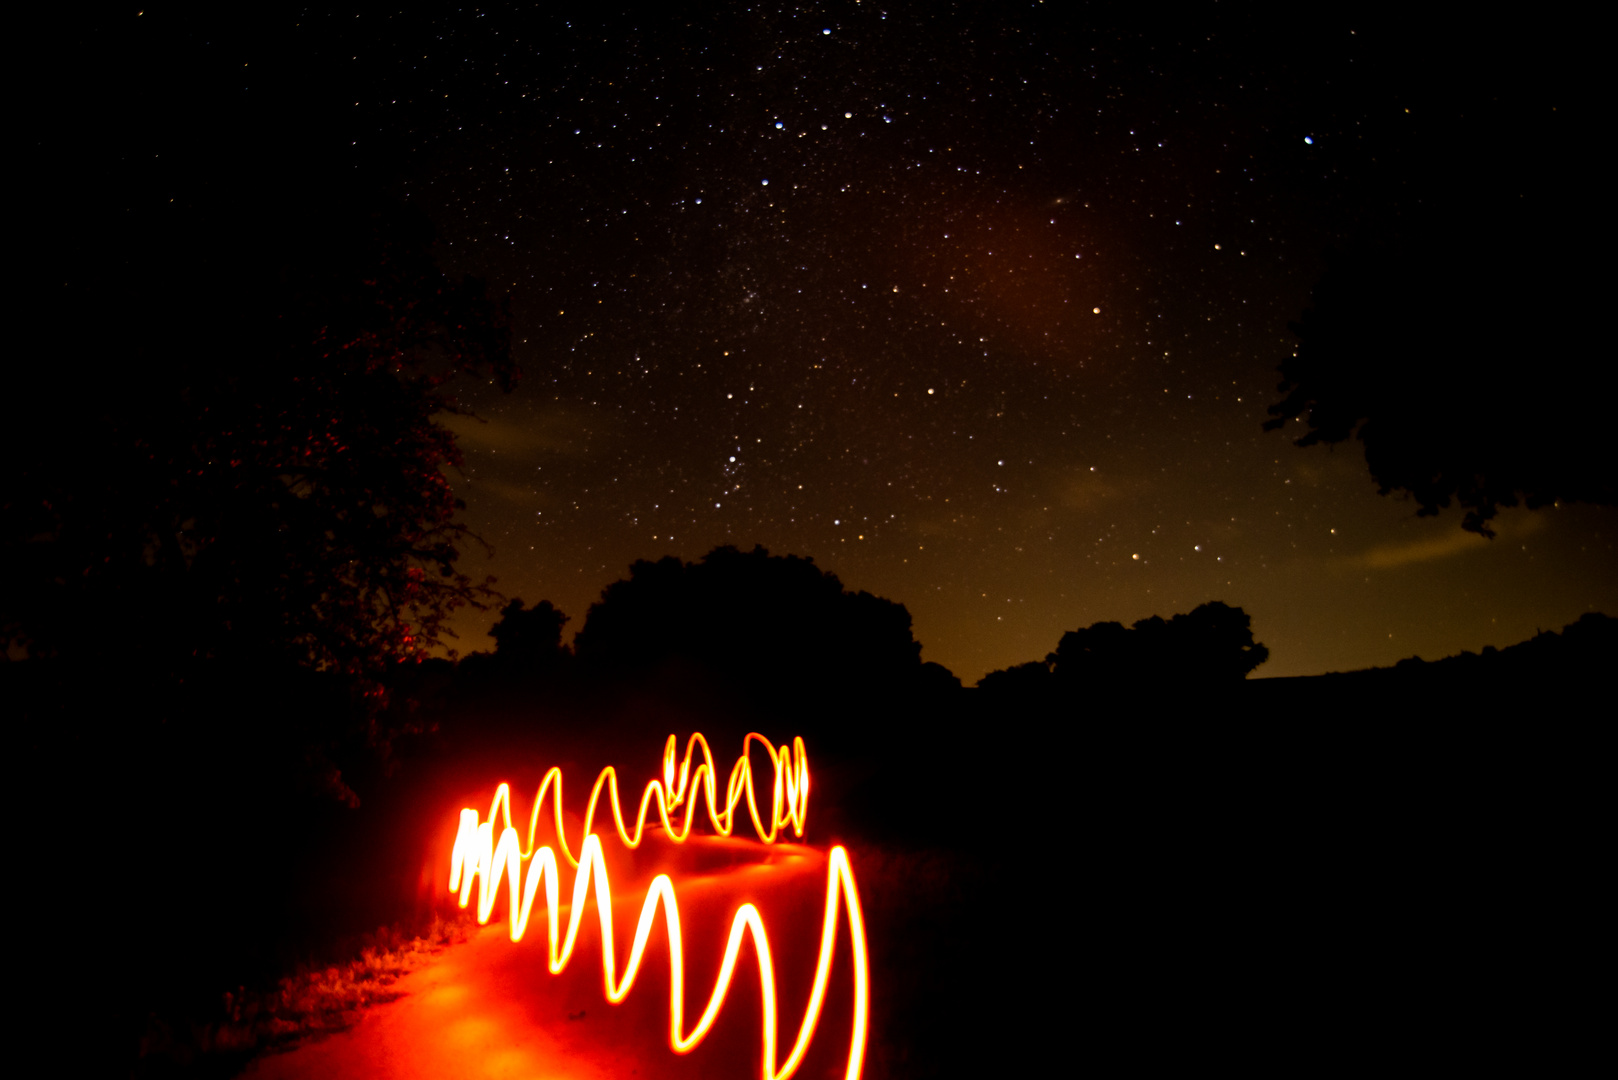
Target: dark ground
[{"x": 1396, "y": 866}]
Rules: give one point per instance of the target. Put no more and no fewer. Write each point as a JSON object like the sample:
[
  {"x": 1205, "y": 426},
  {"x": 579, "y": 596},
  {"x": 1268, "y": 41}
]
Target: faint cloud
[
  {"x": 1389, "y": 556},
  {"x": 521, "y": 494},
  {"x": 519, "y": 431},
  {"x": 1453, "y": 542}
]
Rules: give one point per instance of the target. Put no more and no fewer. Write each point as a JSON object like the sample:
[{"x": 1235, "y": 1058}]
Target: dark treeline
[
  {"x": 1212, "y": 823},
  {"x": 744, "y": 637},
  {"x": 1556, "y": 678},
  {"x": 225, "y": 536},
  {"x": 1262, "y": 864},
  {"x": 1206, "y": 651},
  {"x": 736, "y": 641}
]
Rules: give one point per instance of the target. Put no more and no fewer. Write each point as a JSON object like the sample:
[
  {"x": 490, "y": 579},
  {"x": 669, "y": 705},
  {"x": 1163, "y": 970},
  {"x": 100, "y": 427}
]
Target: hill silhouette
[{"x": 1568, "y": 667}]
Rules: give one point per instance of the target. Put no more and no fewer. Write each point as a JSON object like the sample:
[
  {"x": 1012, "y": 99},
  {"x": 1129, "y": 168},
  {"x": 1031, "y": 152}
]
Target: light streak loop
[
  {"x": 789, "y": 804},
  {"x": 478, "y": 855}
]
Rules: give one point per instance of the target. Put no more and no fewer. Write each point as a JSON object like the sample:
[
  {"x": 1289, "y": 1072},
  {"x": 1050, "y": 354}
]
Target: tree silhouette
[
  {"x": 1211, "y": 646},
  {"x": 1020, "y": 680},
  {"x": 532, "y": 637},
  {"x": 1463, "y": 356},
  {"x": 259, "y": 477},
  {"x": 775, "y": 625}
]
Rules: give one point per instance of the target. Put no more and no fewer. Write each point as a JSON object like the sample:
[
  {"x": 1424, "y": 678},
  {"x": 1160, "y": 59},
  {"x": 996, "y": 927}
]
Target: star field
[{"x": 979, "y": 306}]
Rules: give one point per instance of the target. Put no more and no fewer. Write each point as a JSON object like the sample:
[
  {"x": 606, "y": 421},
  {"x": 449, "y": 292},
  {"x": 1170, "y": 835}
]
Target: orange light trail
[
  {"x": 478, "y": 855},
  {"x": 789, "y": 805}
]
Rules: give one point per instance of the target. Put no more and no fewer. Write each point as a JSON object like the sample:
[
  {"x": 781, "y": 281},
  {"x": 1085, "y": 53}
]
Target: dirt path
[{"x": 490, "y": 1008}]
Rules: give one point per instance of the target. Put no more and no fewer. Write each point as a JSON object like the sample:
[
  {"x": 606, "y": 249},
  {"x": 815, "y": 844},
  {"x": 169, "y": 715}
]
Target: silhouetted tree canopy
[
  {"x": 1587, "y": 648},
  {"x": 1458, "y": 339},
  {"x": 1020, "y": 680},
  {"x": 235, "y": 453},
  {"x": 531, "y": 636},
  {"x": 773, "y": 623},
  {"x": 1212, "y": 645}
]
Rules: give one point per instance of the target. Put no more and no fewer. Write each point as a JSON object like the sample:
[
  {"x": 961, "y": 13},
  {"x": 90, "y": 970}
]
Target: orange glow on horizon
[{"x": 478, "y": 855}]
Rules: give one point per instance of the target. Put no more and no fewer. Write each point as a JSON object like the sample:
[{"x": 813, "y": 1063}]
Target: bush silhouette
[
  {"x": 1021, "y": 680},
  {"x": 771, "y": 625},
  {"x": 260, "y": 476},
  {"x": 531, "y": 637},
  {"x": 1211, "y": 646}
]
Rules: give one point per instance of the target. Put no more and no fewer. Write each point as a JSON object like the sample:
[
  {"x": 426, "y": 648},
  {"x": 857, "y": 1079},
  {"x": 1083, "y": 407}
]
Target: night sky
[{"x": 979, "y": 306}]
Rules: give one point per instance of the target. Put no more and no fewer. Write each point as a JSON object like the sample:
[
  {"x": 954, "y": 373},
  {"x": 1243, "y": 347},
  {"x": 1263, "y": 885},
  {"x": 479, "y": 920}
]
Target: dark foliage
[
  {"x": 1457, "y": 341},
  {"x": 938, "y": 679},
  {"x": 529, "y": 636},
  {"x": 768, "y": 624},
  {"x": 1020, "y": 680},
  {"x": 529, "y": 665},
  {"x": 258, "y": 475},
  {"x": 1550, "y": 687},
  {"x": 226, "y": 528},
  {"x": 1581, "y": 651},
  {"x": 1212, "y": 646}
]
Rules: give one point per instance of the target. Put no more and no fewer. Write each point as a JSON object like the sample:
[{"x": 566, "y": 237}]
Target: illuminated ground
[
  {"x": 490, "y": 1008},
  {"x": 1280, "y": 900}
]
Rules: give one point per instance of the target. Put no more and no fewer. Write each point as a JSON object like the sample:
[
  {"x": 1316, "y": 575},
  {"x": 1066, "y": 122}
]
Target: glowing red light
[{"x": 478, "y": 854}]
